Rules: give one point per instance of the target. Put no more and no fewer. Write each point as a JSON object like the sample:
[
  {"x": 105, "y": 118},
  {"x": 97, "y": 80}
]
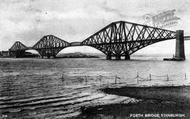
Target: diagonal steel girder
[
  {"x": 18, "y": 49},
  {"x": 18, "y": 46},
  {"x": 121, "y": 38},
  {"x": 50, "y": 45}
]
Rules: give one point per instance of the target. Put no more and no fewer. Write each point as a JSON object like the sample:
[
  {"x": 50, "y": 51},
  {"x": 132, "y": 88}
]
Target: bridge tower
[
  {"x": 180, "y": 52},
  {"x": 17, "y": 50}
]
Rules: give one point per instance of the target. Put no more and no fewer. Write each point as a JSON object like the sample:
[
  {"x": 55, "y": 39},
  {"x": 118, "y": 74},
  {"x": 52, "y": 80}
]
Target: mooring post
[
  {"x": 185, "y": 76},
  {"x": 180, "y": 52}
]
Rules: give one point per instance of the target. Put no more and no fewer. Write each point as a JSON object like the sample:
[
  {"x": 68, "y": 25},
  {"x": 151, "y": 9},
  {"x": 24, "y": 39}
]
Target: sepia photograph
[{"x": 94, "y": 59}]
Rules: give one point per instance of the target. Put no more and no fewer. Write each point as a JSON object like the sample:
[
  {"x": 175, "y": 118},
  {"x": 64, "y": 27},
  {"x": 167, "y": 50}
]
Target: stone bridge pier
[
  {"x": 117, "y": 57},
  {"x": 179, "y": 50}
]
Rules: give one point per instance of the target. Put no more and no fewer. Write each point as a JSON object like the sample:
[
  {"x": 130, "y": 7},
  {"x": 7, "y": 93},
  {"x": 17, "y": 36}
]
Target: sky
[{"x": 74, "y": 20}]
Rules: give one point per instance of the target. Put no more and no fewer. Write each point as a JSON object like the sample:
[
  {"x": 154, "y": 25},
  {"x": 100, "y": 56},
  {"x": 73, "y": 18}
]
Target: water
[{"x": 57, "y": 88}]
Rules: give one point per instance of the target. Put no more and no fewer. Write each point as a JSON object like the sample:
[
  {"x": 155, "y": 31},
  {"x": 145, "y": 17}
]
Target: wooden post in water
[
  {"x": 167, "y": 77},
  {"x": 107, "y": 83},
  {"x": 137, "y": 78},
  {"x": 100, "y": 79},
  {"x": 185, "y": 76},
  {"x": 85, "y": 80},
  {"x": 62, "y": 78},
  {"x": 150, "y": 77},
  {"x": 116, "y": 79}
]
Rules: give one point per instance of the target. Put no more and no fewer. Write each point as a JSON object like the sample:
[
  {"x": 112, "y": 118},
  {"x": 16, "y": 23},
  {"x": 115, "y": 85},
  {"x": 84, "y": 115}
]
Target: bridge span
[{"x": 118, "y": 39}]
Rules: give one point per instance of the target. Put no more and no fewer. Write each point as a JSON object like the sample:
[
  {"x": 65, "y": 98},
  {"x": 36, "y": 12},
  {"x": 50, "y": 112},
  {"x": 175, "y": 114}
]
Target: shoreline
[
  {"x": 161, "y": 101},
  {"x": 180, "y": 94},
  {"x": 137, "y": 110}
]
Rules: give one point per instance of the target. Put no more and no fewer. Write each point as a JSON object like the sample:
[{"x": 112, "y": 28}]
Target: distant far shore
[
  {"x": 63, "y": 55},
  {"x": 77, "y": 55}
]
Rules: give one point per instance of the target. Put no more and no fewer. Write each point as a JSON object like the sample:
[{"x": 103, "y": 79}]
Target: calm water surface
[{"x": 57, "y": 88}]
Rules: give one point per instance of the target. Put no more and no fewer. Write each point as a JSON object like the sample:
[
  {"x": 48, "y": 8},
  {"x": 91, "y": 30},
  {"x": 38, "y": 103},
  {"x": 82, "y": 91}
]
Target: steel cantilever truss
[
  {"x": 117, "y": 39},
  {"x": 124, "y": 38},
  {"x": 50, "y": 46},
  {"x": 18, "y": 49},
  {"x": 18, "y": 46}
]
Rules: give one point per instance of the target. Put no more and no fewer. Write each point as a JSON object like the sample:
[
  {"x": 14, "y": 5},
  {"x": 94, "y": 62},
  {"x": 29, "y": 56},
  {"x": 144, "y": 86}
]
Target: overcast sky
[{"x": 74, "y": 20}]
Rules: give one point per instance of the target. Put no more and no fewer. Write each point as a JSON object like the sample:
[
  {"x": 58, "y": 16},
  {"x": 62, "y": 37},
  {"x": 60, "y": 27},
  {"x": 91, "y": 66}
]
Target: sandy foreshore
[
  {"x": 179, "y": 94},
  {"x": 157, "y": 102},
  {"x": 147, "y": 109}
]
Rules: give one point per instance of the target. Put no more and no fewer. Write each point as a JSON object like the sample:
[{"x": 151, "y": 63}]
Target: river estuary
[{"x": 58, "y": 88}]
